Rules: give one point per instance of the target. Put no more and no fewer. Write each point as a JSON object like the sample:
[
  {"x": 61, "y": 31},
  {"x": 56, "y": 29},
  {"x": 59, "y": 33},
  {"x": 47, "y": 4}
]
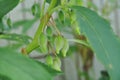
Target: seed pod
[
  {"x": 61, "y": 17},
  {"x": 9, "y": 23},
  {"x": 49, "y": 60},
  {"x": 56, "y": 64},
  {"x": 49, "y": 31},
  {"x": 59, "y": 42},
  {"x": 34, "y": 9},
  {"x": 65, "y": 48},
  {"x": 77, "y": 30},
  {"x": 43, "y": 43}
]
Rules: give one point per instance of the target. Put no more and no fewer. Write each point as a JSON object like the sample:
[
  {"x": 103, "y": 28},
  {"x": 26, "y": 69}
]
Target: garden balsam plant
[{"x": 52, "y": 42}]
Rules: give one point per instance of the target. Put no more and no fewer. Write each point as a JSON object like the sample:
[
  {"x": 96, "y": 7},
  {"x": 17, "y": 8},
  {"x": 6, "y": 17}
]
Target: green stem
[
  {"x": 44, "y": 20},
  {"x": 43, "y": 8},
  {"x": 52, "y": 5}
]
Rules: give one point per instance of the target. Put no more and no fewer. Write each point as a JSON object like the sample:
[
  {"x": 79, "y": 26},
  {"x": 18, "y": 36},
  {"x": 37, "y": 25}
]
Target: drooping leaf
[
  {"x": 102, "y": 39},
  {"x": 26, "y": 24},
  {"x": 6, "y": 6},
  {"x": 14, "y": 66},
  {"x": 16, "y": 37}
]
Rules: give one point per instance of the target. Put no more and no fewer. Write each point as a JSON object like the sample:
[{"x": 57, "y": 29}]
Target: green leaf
[
  {"x": 102, "y": 39},
  {"x": 14, "y": 66},
  {"x": 16, "y": 37},
  {"x": 26, "y": 24},
  {"x": 6, "y": 6}
]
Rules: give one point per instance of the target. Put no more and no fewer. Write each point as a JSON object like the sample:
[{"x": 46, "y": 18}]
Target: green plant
[{"x": 92, "y": 34}]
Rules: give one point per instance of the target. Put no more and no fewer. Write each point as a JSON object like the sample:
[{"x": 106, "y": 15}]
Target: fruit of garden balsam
[
  {"x": 34, "y": 9},
  {"x": 9, "y": 23},
  {"x": 61, "y": 17},
  {"x": 49, "y": 60},
  {"x": 49, "y": 31},
  {"x": 59, "y": 42},
  {"x": 57, "y": 64},
  {"x": 65, "y": 48},
  {"x": 43, "y": 43}
]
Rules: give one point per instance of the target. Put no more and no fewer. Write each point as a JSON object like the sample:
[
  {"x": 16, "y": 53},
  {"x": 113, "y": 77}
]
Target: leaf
[
  {"x": 26, "y": 24},
  {"x": 16, "y": 37},
  {"x": 6, "y": 6},
  {"x": 102, "y": 39},
  {"x": 14, "y": 66}
]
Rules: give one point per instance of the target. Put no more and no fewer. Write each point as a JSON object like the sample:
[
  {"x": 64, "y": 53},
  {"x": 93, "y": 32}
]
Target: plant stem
[{"x": 43, "y": 7}]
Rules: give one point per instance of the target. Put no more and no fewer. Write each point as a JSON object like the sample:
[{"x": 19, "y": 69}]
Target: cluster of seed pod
[
  {"x": 9, "y": 22},
  {"x": 61, "y": 45},
  {"x": 58, "y": 43},
  {"x": 53, "y": 62}
]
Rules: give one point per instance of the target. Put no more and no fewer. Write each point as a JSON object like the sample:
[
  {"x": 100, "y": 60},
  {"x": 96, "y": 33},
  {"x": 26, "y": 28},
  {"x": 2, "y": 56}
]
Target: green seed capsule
[
  {"x": 65, "y": 47},
  {"x": 59, "y": 42},
  {"x": 49, "y": 60},
  {"x": 49, "y": 31},
  {"x": 61, "y": 17},
  {"x": 43, "y": 43},
  {"x": 34, "y": 9},
  {"x": 57, "y": 64},
  {"x": 9, "y": 23}
]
